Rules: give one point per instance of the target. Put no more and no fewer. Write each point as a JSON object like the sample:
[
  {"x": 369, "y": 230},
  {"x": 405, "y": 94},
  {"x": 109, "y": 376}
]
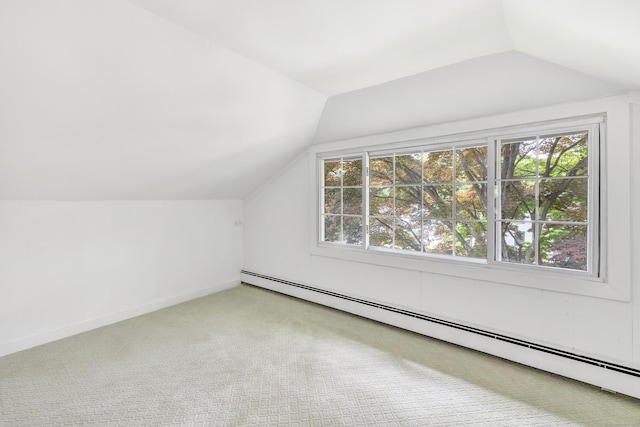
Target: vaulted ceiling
[{"x": 167, "y": 99}]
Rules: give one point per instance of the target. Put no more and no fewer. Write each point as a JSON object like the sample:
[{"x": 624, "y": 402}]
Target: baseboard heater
[{"x": 500, "y": 337}]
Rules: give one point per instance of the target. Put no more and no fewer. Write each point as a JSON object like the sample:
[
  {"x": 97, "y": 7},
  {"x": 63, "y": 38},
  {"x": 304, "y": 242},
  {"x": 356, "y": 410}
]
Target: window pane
[
  {"x": 332, "y": 173},
  {"x": 564, "y": 246},
  {"x": 381, "y": 232},
  {"x": 518, "y": 159},
  {"x": 332, "y": 197},
  {"x": 438, "y": 166},
  {"x": 409, "y": 169},
  {"x": 435, "y": 199},
  {"x": 332, "y": 229},
  {"x": 352, "y": 230},
  {"x": 518, "y": 199},
  {"x": 437, "y": 237},
  {"x": 407, "y": 234},
  {"x": 564, "y": 155},
  {"x": 352, "y": 201},
  {"x": 381, "y": 171},
  {"x": 352, "y": 172},
  {"x": 408, "y": 201},
  {"x": 471, "y": 239},
  {"x": 471, "y": 164},
  {"x": 381, "y": 201},
  {"x": 564, "y": 199},
  {"x": 471, "y": 200},
  {"x": 438, "y": 201},
  {"x": 517, "y": 242}
]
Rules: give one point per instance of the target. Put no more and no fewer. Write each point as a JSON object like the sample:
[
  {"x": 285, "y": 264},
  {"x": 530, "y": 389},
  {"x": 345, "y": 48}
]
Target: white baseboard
[
  {"x": 596, "y": 375},
  {"x": 128, "y": 313}
]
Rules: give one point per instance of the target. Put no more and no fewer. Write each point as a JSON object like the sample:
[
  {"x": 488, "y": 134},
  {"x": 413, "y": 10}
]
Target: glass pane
[
  {"x": 408, "y": 201},
  {"x": 518, "y": 199},
  {"x": 381, "y": 232},
  {"x": 407, "y": 234},
  {"x": 332, "y": 229},
  {"x": 518, "y": 159},
  {"x": 332, "y": 197},
  {"x": 352, "y": 230},
  {"x": 381, "y": 201},
  {"x": 409, "y": 168},
  {"x": 352, "y": 173},
  {"x": 517, "y": 242},
  {"x": 381, "y": 171},
  {"x": 352, "y": 201},
  {"x": 471, "y": 201},
  {"x": 564, "y": 155},
  {"x": 564, "y": 246},
  {"x": 438, "y": 201},
  {"x": 332, "y": 173},
  {"x": 438, "y": 166},
  {"x": 471, "y": 164},
  {"x": 437, "y": 237},
  {"x": 471, "y": 239},
  {"x": 564, "y": 200}
]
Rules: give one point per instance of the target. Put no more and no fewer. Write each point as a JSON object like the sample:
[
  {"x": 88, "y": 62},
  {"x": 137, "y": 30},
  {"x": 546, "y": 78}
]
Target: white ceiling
[
  {"x": 492, "y": 84},
  {"x": 336, "y": 46},
  {"x": 169, "y": 99}
]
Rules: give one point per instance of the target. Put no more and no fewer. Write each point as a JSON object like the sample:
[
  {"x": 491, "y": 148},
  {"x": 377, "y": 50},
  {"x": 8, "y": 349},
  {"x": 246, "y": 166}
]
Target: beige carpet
[{"x": 251, "y": 357}]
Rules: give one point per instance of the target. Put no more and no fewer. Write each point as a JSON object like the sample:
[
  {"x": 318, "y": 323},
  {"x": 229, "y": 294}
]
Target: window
[
  {"x": 543, "y": 215},
  {"x": 526, "y": 198},
  {"x": 342, "y": 201},
  {"x": 430, "y": 201}
]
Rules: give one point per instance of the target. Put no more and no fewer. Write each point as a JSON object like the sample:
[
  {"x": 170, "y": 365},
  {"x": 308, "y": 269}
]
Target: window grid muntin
[
  {"x": 455, "y": 218},
  {"x": 342, "y": 215},
  {"x": 537, "y": 223},
  {"x": 596, "y": 126}
]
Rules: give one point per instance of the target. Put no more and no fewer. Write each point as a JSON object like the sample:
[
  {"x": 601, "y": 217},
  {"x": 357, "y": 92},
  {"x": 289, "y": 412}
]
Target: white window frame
[
  {"x": 342, "y": 215},
  {"x": 423, "y": 148},
  {"x": 595, "y": 268},
  {"x": 490, "y": 270}
]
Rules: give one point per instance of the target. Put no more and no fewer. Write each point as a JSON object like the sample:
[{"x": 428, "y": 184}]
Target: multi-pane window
[
  {"x": 395, "y": 201},
  {"x": 530, "y": 200},
  {"x": 430, "y": 201},
  {"x": 543, "y": 214},
  {"x": 342, "y": 201}
]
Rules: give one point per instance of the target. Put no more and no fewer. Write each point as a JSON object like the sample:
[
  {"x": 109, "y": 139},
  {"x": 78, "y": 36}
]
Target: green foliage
[
  {"x": 412, "y": 199},
  {"x": 343, "y": 201},
  {"x": 545, "y": 180},
  {"x": 436, "y": 201}
]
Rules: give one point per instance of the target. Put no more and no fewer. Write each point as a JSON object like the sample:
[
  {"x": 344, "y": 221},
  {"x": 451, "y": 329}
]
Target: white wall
[
  {"x": 479, "y": 87},
  {"x": 635, "y": 227},
  {"x": 279, "y": 243},
  {"x": 72, "y": 266}
]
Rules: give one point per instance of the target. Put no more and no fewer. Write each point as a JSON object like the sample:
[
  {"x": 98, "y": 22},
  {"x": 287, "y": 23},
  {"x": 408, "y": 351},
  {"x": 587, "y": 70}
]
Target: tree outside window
[{"x": 440, "y": 201}]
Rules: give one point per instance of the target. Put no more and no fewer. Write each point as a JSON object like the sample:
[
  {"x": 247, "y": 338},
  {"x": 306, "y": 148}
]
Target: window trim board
[
  {"x": 614, "y": 109},
  {"x": 493, "y": 144}
]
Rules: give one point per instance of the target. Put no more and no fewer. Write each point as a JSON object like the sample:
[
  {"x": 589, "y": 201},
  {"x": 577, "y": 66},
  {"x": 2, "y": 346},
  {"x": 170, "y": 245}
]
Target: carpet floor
[{"x": 251, "y": 357}]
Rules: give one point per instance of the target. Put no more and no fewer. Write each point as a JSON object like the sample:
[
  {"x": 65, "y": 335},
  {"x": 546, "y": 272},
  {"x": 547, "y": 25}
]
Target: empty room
[{"x": 319, "y": 212}]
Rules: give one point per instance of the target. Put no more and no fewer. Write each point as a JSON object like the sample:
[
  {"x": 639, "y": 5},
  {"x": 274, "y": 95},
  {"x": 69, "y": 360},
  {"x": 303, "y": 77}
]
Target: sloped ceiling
[
  {"x": 336, "y": 46},
  {"x": 103, "y": 100},
  {"x": 166, "y": 99},
  {"x": 492, "y": 84}
]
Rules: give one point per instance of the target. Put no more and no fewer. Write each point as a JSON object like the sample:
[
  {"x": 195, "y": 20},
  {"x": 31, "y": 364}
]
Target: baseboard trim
[
  {"x": 608, "y": 375},
  {"x": 124, "y": 314}
]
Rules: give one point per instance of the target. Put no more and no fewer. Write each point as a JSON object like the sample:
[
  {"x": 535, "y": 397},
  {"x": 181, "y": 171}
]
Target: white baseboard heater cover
[{"x": 607, "y": 375}]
